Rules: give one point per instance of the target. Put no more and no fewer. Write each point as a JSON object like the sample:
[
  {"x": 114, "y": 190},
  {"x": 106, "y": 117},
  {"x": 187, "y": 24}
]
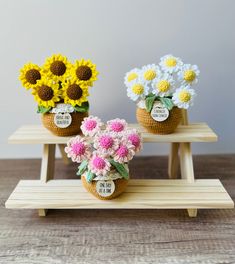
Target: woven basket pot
[
  {"x": 165, "y": 127},
  {"x": 120, "y": 187},
  {"x": 72, "y": 129}
]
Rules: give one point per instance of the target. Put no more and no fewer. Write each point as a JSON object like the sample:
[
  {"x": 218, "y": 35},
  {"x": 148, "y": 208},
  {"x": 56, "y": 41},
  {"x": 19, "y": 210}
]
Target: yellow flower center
[
  {"x": 132, "y": 76},
  {"x": 149, "y": 75},
  {"x": 184, "y": 96},
  {"x": 163, "y": 86},
  {"x": 170, "y": 62},
  {"x": 189, "y": 75},
  {"x": 138, "y": 89}
]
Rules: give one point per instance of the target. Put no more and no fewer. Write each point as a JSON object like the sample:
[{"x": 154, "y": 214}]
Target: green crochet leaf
[
  {"x": 120, "y": 168},
  {"x": 43, "y": 110},
  {"x": 83, "y": 108},
  {"x": 149, "y": 101},
  {"x": 167, "y": 102},
  {"x": 82, "y": 167},
  {"x": 90, "y": 176}
]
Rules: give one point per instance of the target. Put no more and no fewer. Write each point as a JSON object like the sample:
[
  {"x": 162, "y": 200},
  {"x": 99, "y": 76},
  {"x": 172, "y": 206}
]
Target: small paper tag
[
  {"x": 159, "y": 112},
  {"x": 105, "y": 188},
  {"x": 62, "y": 120}
]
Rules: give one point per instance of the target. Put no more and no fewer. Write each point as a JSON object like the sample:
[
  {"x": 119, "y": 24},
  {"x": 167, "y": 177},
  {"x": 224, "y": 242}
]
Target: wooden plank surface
[
  {"x": 195, "y": 132},
  {"x": 118, "y": 236},
  {"x": 140, "y": 194}
]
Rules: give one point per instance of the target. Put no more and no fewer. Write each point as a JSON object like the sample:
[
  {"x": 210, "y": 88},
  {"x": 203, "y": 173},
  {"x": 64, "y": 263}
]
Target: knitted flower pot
[
  {"x": 61, "y": 90},
  {"x": 103, "y": 154},
  {"x": 106, "y": 188},
  {"x": 164, "y": 127}
]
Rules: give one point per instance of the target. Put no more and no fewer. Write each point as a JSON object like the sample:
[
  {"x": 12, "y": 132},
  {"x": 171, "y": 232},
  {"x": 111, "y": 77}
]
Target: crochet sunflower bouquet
[
  {"x": 103, "y": 153},
  {"x": 161, "y": 91},
  {"x": 60, "y": 89}
]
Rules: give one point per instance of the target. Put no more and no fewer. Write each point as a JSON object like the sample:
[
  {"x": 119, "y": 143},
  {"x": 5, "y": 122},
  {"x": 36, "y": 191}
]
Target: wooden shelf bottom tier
[{"x": 140, "y": 194}]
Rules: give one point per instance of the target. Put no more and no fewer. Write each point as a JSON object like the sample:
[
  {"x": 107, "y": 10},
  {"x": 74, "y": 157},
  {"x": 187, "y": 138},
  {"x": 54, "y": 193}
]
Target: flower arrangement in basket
[
  {"x": 160, "y": 92},
  {"x": 103, "y": 154},
  {"x": 60, "y": 89}
]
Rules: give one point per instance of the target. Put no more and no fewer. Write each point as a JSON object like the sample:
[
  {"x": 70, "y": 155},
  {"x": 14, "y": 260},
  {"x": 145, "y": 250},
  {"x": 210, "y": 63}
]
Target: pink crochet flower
[
  {"x": 78, "y": 149},
  {"x": 134, "y": 137},
  {"x": 125, "y": 151},
  {"x": 117, "y": 125},
  {"x": 106, "y": 143},
  {"x": 98, "y": 164},
  {"x": 91, "y": 125}
]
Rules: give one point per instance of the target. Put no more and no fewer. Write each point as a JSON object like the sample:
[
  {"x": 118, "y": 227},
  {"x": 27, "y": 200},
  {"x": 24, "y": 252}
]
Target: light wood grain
[
  {"x": 23, "y": 197},
  {"x": 118, "y": 236},
  {"x": 186, "y": 162},
  {"x": 198, "y": 132},
  {"x": 173, "y": 161},
  {"x": 63, "y": 154}
]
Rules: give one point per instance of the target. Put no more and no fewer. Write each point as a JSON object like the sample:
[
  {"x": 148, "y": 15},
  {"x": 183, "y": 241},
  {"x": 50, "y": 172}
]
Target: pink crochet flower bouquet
[{"x": 103, "y": 153}]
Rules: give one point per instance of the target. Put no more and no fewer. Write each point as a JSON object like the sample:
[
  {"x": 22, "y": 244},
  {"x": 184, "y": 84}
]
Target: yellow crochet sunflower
[
  {"x": 46, "y": 93},
  {"x": 84, "y": 71},
  {"x": 29, "y": 75},
  {"x": 57, "y": 67},
  {"x": 74, "y": 92}
]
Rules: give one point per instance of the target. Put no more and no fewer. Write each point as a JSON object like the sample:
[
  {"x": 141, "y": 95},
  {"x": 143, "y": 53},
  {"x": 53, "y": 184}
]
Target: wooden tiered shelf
[{"x": 186, "y": 193}]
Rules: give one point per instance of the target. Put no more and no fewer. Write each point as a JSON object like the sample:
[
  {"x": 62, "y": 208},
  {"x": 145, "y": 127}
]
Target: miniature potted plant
[
  {"x": 161, "y": 91},
  {"x": 61, "y": 91},
  {"x": 103, "y": 153}
]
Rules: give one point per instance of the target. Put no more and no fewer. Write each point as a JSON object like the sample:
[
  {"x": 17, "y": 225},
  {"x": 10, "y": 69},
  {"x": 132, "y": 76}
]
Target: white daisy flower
[
  {"x": 138, "y": 89},
  {"x": 131, "y": 76},
  {"x": 183, "y": 97},
  {"x": 164, "y": 85},
  {"x": 170, "y": 63},
  {"x": 150, "y": 72},
  {"x": 188, "y": 74}
]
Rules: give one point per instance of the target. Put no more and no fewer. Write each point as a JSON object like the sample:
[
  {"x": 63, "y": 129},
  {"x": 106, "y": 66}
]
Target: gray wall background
[{"x": 117, "y": 36}]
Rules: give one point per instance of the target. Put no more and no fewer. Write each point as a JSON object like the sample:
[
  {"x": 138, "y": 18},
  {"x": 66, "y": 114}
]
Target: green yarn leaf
[
  {"x": 82, "y": 167},
  {"x": 149, "y": 101},
  {"x": 83, "y": 108},
  {"x": 42, "y": 109},
  {"x": 120, "y": 168},
  {"x": 167, "y": 102},
  {"x": 90, "y": 176}
]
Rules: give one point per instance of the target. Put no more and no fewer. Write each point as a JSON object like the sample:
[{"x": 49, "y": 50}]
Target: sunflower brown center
[
  {"x": 84, "y": 73},
  {"x": 45, "y": 93},
  {"x": 32, "y": 76},
  {"x": 58, "y": 68},
  {"x": 74, "y": 92}
]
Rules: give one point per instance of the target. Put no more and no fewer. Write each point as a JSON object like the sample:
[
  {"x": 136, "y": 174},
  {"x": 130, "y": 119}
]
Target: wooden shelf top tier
[
  {"x": 195, "y": 132},
  {"x": 140, "y": 194}
]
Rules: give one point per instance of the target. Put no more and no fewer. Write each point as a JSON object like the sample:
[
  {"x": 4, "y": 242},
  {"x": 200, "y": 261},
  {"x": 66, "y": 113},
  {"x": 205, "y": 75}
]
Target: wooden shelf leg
[
  {"x": 42, "y": 212},
  {"x": 192, "y": 212},
  {"x": 186, "y": 162},
  {"x": 63, "y": 154},
  {"x": 173, "y": 161},
  {"x": 186, "y": 168},
  {"x": 48, "y": 162},
  {"x": 47, "y": 168}
]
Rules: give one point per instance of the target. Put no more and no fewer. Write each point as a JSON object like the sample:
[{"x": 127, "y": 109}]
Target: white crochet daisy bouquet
[
  {"x": 103, "y": 153},
  {"x": 160, "y": 91}
]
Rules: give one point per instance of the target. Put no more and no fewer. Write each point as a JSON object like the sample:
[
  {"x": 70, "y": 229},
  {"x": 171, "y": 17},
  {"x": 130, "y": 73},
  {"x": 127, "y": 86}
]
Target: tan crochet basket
[
  {"x": 120, "y": 187},
  {"x": 165, "y": 127},
  {"x": 72, "y": 129}
]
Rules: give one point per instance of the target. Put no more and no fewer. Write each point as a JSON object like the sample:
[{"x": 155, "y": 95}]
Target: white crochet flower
[
  {"x": 188, "y": 74},
  {"x": 150, "y": 72},
  {"x": 183, "y": 97},
  {"x": 131, "y": 76},
  {"x": 138, "y": 89},
  {"x": 163, "y": 86},
  {"x": 170, "y": 63}
]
